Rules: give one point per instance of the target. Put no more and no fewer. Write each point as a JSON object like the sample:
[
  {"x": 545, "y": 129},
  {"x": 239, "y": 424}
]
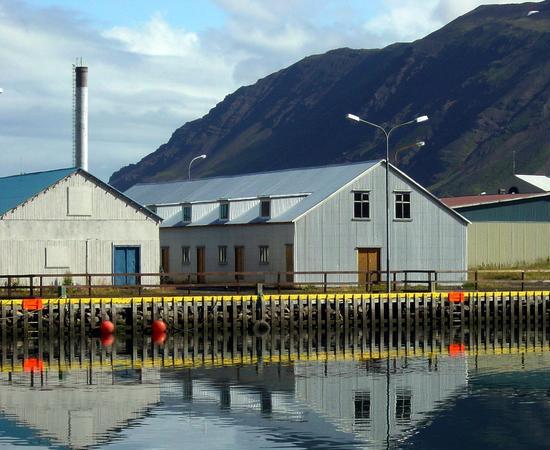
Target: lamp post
[
  {"x": 192, "y": 161},
  {"x": 387, "y": 133},
  {"x": 418, "y": 144}
]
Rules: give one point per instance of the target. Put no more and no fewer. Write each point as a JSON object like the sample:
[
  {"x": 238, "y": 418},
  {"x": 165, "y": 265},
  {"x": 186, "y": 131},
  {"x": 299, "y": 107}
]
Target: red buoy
[
  {"x": 106, "y": 327},
  {"x": 158, "y": 337},
  {"x": 107, "y": 339},
  {"x": 158, "y": 326}
]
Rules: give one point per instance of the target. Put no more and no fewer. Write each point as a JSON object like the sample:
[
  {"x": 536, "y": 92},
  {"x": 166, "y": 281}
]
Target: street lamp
[
  {"x": 418, "y": 144},
  {"x": 192, "y": 161},
  {"x": 387, "y": 133}
]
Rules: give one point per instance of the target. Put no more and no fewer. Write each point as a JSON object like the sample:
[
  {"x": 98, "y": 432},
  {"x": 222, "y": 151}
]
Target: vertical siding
[
  {"x": 165, "y": 212},
  {"x": 327, "y": 237},
  {"x": 43, "y": 222},
  {"x": 507, "y": 243},
  {"x": 210, "y": 237}
]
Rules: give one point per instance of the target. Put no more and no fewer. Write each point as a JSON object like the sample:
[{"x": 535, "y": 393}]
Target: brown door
[
  {"x": 200, "y": 265},
  {"x": 368, "y": 260},
  {"x": 165, "y": 262},
  {"x": 289, "y": 262},
  {"x": 239, "y": 261}
]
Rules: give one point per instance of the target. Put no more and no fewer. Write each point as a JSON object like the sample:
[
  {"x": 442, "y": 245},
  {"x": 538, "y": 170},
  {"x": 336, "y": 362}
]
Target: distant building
[
  {"x": 303, "y": 220},
  {"x": 69, "y": 221},
  {"x": 507, "y": 229}
]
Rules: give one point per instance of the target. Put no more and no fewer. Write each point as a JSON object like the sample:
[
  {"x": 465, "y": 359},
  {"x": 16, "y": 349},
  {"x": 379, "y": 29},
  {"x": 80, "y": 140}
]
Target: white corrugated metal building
[
  {"x": 68, "y": 221},
  {"x": 328, "y": 218}
]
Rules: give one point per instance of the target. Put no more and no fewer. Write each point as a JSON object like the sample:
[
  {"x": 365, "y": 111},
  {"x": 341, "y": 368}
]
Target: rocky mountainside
[{"x": 484, "y": 80}]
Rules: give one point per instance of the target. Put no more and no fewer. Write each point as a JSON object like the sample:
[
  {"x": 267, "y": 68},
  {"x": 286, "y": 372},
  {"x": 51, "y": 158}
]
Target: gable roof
[
  {"x": 541, "y": 182},
  {"x": 315, "y": 183},
  {"x": 17, "y": 189},
  {"x": 479, "y": 200}
]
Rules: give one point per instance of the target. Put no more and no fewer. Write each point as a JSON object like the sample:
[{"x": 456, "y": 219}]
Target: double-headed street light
[
  {"x": 387, "y": 133},
  {"x": 192, "y": 161}
]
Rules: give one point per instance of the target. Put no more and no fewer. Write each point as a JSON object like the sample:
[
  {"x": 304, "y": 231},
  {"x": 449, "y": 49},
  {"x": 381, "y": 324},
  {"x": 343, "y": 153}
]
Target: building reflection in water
[{"x": 350, "y": 396}]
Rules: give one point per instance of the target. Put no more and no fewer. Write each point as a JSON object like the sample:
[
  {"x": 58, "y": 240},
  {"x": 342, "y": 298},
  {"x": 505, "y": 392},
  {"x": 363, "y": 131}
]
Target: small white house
[
  {"x": 328, "y": 218},
  {"x": 68, "y": 221}
]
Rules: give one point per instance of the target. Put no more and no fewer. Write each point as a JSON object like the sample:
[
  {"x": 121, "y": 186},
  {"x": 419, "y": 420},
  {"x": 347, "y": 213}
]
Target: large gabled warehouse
[
  {"x": 328, "y": 218},
  {"x": 68, "y": 221}
]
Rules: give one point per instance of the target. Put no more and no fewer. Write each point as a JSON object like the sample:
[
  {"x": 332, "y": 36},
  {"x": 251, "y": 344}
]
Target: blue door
[{"x": 126, "y": 260}]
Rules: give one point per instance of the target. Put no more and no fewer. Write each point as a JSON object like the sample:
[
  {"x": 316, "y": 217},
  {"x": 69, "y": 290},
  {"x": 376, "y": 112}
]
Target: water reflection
[{"x": 301, "y": 391}]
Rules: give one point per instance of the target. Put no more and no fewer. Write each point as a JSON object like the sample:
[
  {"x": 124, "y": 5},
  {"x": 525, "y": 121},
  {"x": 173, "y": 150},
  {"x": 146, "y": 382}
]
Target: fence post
[
  {"x": 325, "y": 276},
  {"x": 279, "y": 283},
  {"x": 9, "y": 287},
  {"x": 476, "y": 280},
  {"x": 430, "y": 286},
  {"x": 41, "y": 279},
  {"x": 405, "y": 286},
  {"x": 435, "y": 282},
  {"x": 523, "y": 280},
  {"x": 394, "y": 276},
  {"x": 31, "y": 287},
  {"x": 89, "y": 283}
]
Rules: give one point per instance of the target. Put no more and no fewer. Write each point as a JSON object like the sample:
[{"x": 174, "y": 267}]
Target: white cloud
[
  {"x": 147, "y": 80},
  {"x": 410, "y": 19}
]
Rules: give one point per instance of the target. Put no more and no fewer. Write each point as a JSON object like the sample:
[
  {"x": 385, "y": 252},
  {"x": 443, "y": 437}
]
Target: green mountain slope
[{"x": 484, "y": 80}]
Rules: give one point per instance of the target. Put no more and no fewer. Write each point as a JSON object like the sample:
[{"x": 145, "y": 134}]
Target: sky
[{"x": 154, "y": 65}]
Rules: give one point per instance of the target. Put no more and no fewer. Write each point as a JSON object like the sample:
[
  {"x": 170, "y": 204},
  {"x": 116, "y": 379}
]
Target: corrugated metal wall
[
  {"x": 507, "y": 243},
  {"x": 327, "y": 237},
  {"x": 210, "y": 237},
  {"x": 527, "y": 210},
  {"x": 43, "y": 222}
]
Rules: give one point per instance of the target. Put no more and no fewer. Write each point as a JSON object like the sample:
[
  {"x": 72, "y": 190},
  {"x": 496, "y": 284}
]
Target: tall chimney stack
[{"x": 81, "y": 118}]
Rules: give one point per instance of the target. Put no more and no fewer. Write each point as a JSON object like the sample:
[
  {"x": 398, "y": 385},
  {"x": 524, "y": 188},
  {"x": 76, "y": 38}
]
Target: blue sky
[{"x": 155, "y": 65}]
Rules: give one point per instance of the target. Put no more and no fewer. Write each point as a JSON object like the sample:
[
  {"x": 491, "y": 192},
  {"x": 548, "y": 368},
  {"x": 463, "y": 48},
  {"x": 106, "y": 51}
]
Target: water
[{"x": 201, "y": 394}]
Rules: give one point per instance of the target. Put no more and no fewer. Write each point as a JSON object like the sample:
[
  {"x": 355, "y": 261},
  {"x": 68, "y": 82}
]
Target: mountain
[{"x": 484, "y": 80}]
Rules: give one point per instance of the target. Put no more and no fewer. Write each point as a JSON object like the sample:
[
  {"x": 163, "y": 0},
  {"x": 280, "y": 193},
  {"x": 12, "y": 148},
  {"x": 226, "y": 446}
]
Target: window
[
  {"x": 265, "y": 208},
  {"x": 186, "y": 255},
  {"x": 186, "y": 210},
  {"x": 222, "y": 254},
  {"x": 403, "y": 407},
  {"x": 361, "y": 207},
  {"x": 224, "y": 211},
  {"x": 361, "y": 402},
  {"x": 264, "y": 254},
  {"x": 402, "y": 205}
]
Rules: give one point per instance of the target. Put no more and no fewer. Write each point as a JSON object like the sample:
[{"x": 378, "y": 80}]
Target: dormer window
[
  {"x": 186, "y": 212},
  {"x": 265, "y": 208},
  {"x": 224, "y": 210}
]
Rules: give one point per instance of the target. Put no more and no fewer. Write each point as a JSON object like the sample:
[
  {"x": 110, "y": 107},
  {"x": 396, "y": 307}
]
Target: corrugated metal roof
[
  {"x": 317, "y": 182},
  {"x": 17, "y": 189},
  {"x": 539, "y": 181},
  {"x": 475, "y": 200}
]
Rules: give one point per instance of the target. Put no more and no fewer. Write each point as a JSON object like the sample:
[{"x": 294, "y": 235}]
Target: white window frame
[
  {"x": 264, "y": 254},
  {"x": 224, "y": 205},
  {"x": 361, "y": 202},
  {"x": 183, "y": 209},
  {"x": 400, "y": 203},
  {"x": 185, "y": 255},
  {"x": 222, "y": 255},
  {"x": 264, "y": 201}
]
